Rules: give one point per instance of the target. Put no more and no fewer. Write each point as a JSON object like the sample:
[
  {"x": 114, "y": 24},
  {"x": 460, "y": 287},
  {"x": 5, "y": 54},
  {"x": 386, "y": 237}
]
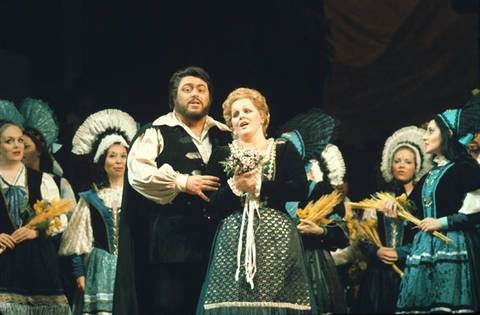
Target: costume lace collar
[
  {"x": 441, "y": 161},
  {"x": 236, "y": 145}
]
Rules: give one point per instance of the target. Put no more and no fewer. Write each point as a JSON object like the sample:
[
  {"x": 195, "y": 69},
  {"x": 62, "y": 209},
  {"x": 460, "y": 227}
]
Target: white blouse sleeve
[
  {"x": 66, "y": 191},
  {"x": 471, "y": 203},
  {"x": 49, "y": 191},
  {"x": 159, "y": 184},
  {"x": 78, "y": 237}
]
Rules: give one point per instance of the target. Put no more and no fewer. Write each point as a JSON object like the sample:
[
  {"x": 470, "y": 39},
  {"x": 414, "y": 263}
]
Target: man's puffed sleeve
[{"x": 159, "y": 183}]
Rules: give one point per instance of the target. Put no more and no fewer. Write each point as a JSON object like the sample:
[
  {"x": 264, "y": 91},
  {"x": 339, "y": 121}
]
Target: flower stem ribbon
[{"x": 249, "y": 210}]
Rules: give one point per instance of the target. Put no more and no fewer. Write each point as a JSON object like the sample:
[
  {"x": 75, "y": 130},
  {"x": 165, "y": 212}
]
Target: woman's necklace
[
  {"x": 260, "y": 148},
  {"x": 430, "y": 183},
  {"x": 427, "y": 202}
]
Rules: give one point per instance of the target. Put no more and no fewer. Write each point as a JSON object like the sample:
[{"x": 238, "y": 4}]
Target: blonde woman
[
  {"x": 30, "y": 280},
  {"x": 257, "y": 265},
  {"x": 404, "y": 162}
]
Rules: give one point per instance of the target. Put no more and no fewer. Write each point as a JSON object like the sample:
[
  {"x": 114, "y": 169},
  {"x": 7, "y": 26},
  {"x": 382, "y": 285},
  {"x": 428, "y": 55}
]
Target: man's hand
[
  {"x": 387, "y": 255},
  {"x": 197, "y": 184}
]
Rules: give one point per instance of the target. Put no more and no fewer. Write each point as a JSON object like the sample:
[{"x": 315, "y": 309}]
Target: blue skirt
[
  {"x": 437, "y": 276},
  {"x": 99, "y": 283}
]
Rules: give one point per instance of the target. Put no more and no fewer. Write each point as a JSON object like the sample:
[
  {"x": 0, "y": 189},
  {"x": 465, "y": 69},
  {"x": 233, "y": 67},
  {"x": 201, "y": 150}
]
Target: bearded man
[
  {"x": 165, "y": 238},
  {"x": 474, "y": 146}
]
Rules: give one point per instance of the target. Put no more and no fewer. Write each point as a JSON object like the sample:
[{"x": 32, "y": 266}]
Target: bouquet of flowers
[
  {"x": 355, "y": 273},
  {"x": 353, "y": 223},
  {"x": 44, "y": 215},
  {"x": 247, "y": 160},
  {"x": 317, "y": 212},
  {"x": 404, "y": 207}
]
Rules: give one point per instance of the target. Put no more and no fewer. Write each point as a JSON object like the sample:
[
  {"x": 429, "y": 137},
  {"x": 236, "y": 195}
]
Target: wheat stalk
[
  {"x": 373, "y": 235},
  {"x": 377, "y": 201},
  {"x": 318, "y": 211}
]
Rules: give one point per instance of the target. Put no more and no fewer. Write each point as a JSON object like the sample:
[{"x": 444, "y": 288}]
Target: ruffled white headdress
[
  {"x": 410, "y": 137},
  {"x": 335, "y": 164},
  {"x": 103, "y": 126}
]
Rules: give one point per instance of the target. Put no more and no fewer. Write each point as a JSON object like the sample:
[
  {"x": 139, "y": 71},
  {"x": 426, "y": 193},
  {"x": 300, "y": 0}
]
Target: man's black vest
[
  {"x": 179, "y": 231},
  {"x": 153, "y": 233}
]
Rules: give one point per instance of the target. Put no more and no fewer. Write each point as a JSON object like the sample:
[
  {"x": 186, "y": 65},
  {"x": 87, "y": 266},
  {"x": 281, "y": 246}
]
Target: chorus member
[
  {"x": 30, "y": 280},
  {"x": 440, "y": 276},
  {"x": 319, "y": 241},
  {"x": 92, "y": 237},
  {"x": 474, "y": 146},
  {"x": 311, "y": 133},
  {"x": 40, "y": 130},
  {"x": 404, "y": 162}
]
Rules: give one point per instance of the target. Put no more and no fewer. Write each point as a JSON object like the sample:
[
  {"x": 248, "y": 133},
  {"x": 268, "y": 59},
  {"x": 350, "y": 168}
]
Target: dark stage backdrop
[
  {"x": 396, "y": 63},
  {"x": 376, "y": 65}
]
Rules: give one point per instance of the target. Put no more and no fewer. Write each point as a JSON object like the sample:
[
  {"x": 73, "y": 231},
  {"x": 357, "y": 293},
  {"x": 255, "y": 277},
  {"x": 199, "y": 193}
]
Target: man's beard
[
  {"x": 183, "y": 110},
  {"x": 474, "y": 149}
]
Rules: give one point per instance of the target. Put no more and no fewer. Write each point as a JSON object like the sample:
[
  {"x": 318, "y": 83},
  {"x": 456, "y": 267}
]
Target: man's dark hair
[{"x": 186, "y": 72}]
